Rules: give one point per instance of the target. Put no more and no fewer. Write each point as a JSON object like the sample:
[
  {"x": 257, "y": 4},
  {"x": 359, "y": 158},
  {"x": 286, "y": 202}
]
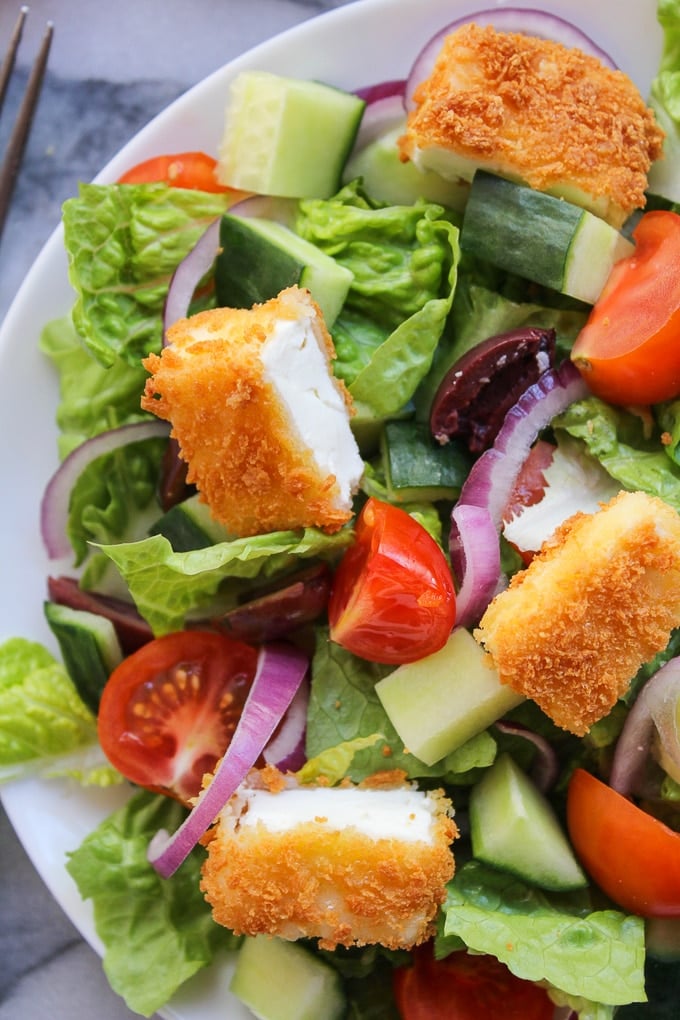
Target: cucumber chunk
[
  {"x": 438, "y": 703},
  {"x": 514, "y": 828},
  {"x": 89, "y": 647},
  {"x": 386, "y": 179},
  {"x": 544, "y": 239},
  {"x": 279, "y": 980},
  {"x": 287, "y": 137},
  {"x": 259, "y": 258},
  {"x": 190, "y": 525},
  {"x": 418, "y": 468}
]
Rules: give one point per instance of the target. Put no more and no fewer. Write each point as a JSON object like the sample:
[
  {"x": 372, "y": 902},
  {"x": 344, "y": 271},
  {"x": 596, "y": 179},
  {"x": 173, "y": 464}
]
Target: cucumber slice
[
  {"x": 439, "y": 702},
  {"x": 545, "y": 239},
  {"x": 259, "y": 258},
  {"x": 89, "y": 647},
  {"x": 418, "y": 468},
  {"x": 387, "y": 179},
  {"x": 190, "y": 525},
  {"x": 279, "y": 980},
  {"x": 287, "y": 137},
  {"x": 514, "y": 828}
]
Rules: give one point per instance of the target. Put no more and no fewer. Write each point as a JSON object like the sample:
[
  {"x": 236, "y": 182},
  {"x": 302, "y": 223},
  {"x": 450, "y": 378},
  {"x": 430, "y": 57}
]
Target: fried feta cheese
[
  {"x": 538, "y": 113},
  {"x": 259, "y": 417},
  {"x": 598, "y": 601},
  {"x": 347, "y": 865}
]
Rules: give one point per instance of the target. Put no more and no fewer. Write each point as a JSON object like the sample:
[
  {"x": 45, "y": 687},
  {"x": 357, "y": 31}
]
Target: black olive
[{"x": 480, "y": 388}]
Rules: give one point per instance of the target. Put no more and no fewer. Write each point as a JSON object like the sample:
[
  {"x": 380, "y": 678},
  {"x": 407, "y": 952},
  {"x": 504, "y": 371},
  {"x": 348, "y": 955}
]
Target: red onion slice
[
  {"x": 55, "y": 502},
  {"x": 280, "y": 671},
  {"x": 379, "y": 117},
  {"x": 654, "y": 712},
  {"x": 490, "y": 484},
  {"x": 525, "y": 20},
  {"x": 188, "y": 275},
  {"x": 286, "y": 749},
  {"x": 381, "y": 90}
]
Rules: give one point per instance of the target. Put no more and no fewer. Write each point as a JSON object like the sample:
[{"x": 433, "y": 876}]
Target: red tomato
[
  {"x": 633, "y": 857},
  {"x": 192, "y": 170},
  {"x": 168, "y": 711},
  {"x": 392, "y": 598},
  {"x": 629, "y": 350},
  {"x": 465, "y": 986}
]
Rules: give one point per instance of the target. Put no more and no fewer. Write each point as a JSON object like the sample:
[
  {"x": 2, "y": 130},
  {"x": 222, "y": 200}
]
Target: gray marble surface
[{"x": 113, "y": 66}]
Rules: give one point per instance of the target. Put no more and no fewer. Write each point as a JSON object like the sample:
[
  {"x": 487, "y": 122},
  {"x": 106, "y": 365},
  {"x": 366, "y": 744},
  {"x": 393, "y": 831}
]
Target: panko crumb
[
  {"x": 536, "y": 112},
  {"x": 266, "y": 436},
  {"x": 598, "y": 601},
  {"x": 324, "y": 876}
]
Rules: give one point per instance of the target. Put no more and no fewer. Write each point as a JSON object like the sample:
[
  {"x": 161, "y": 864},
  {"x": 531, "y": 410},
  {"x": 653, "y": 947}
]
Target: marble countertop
[{"x": 112, "y": 68}]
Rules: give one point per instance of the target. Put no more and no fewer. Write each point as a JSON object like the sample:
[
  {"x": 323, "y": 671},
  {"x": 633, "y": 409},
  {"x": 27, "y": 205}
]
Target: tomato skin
[
  {"x": 392, "y": 598},
  {"x": 629, "y": 350},
  {"x": 192, "y": 170},
  {"x": 169, "y": 710},
  {"x": 631, "y": 855},
  {"x": 464, "y": 986}
]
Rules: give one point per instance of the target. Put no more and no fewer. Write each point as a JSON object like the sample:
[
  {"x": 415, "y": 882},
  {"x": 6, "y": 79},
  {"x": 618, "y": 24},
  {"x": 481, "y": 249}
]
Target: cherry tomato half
[
  {"x": 465, "y": 986},
  {"x": 192, "y": 170},
  {"x": 629, "y": 350},
  {"x": 632, "y": 856},
  {"x": 169, "y": 710},
  {"x": 392, "y": 598}
]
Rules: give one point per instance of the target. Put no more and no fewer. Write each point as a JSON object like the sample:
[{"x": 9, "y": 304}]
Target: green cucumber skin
[
  {"x": 89, "y": 648},
  {"x": 518, "y": 229},
  {"x": 416, "y": 467},
  {"x": 514, "y": 828},
  {"x": 189, "y": 525}
]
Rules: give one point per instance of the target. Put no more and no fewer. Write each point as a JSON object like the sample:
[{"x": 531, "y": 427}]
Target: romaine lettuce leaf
[
  {"x": 596, "y": 955},
  {"x": 343, "y": 705},
  {"x": 156, "y": 932},
  {"x": 664, "y": 176},
  {"x": 166, "y": 585},
  {"x": 123, "y": 244},
  {"x": 628, "y": 447},
  {"x": 403, "y": 259},
  {"x": 45, "y": 729},
  {"x": 92, "y": 398}
]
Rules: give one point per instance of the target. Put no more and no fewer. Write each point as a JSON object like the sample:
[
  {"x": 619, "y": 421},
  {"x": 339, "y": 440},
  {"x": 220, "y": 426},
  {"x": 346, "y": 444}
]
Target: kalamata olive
[
  {"x": 131, "y": 629},
  {"x": 172, "y": 487},
  {"x": 480, "y": 388},
  {"x": 303, "y": 598}
]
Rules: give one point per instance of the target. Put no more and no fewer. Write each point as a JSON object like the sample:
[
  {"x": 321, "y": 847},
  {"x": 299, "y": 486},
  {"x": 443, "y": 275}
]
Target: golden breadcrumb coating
[
  {"x": 245, "y": 454},
  {"x": 532, "y": 110},
  {"x": 599, "y": 600},
  {"x": 338, "y": 885}
]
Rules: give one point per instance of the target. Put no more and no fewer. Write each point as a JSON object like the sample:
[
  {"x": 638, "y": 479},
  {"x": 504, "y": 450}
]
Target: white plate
[{"x": 355, "y": 45}]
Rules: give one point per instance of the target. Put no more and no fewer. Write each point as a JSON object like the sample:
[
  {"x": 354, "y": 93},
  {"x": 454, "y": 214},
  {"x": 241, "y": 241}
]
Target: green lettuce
[
  {"x": 45, "y": 728},
  {"x": 664, "y": 176},
  {"x": 343, "y": 705},
  {"x": 92, "y": 398},
  {"x": 403, "y": 260},
  {"x": 156, "y": 932},
  {"x": 167, "y": 585},
  {"x": 595, "y": 955},
  {"x": 123, "y": 244},
  {"x": 628, "y": 447}
]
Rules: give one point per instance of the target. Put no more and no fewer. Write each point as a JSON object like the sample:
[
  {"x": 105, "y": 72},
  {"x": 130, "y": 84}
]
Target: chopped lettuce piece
[
  {"x": 124, "y": 242},
  {"x": 343, "y": 705},
  {"x": 404, "y": 261},
  {"x": 167, "y": 585},
  {"x": 156, "y": 932},
  {"x": 45, "y": 729},
  {"x": 596, "y": 955},
  {"x": 664, "y": 176},
  {"x": 92, "y": 398}
]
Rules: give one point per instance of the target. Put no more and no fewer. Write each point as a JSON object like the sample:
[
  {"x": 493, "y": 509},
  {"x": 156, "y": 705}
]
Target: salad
[{"x": 111, "y": 509}]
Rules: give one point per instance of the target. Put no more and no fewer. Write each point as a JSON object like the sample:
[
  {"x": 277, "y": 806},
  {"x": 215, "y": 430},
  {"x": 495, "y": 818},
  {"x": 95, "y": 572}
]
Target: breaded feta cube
[
  {"x": 347, "y": 865},
  {"x": 538, "y": 113},
  {"x": 598, "y": 601},
  {"x": 259, "y": 417}
]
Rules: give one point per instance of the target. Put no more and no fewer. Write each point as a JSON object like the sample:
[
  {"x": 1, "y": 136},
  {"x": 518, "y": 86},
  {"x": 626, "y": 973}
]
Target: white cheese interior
[
  {"x": 295, "y": 363},
  {"x": 403, "y": 814}
]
